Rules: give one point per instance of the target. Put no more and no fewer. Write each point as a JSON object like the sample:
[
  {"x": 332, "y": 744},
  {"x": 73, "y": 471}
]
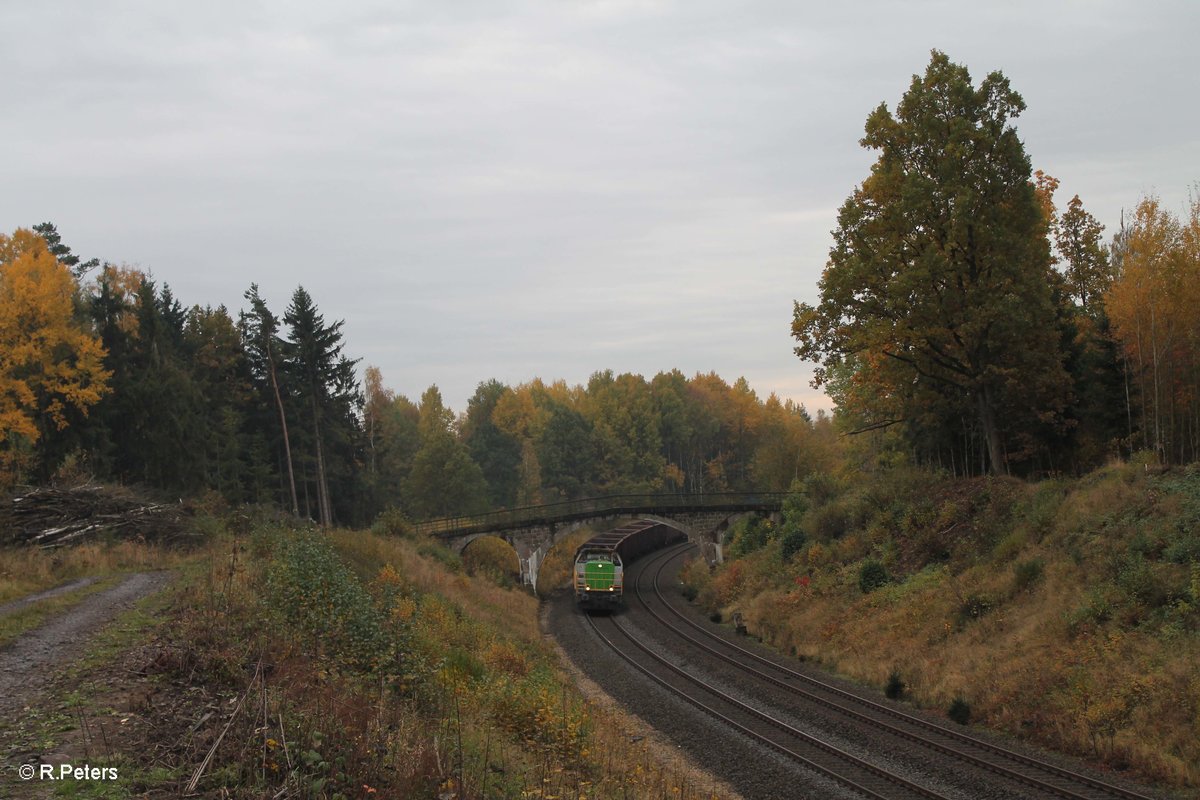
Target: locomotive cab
[{"x": 599, "y": 578}]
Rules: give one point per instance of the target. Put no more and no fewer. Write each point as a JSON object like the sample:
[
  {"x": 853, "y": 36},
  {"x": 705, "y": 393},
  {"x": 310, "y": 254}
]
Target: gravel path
[
  {"x": 15, "y": 605},
  {"x": 27, "y": 663}
]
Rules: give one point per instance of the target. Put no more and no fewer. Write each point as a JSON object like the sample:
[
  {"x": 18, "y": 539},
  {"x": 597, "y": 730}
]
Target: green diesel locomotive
[{"x": 600, "y": 561}]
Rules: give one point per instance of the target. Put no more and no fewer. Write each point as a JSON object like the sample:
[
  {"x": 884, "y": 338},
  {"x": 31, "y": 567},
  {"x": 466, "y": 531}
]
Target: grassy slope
[
  {"x": 1065, "y": 612},
  {"x": 340, "y": 665},
  {"x": 389, "y": 671}
]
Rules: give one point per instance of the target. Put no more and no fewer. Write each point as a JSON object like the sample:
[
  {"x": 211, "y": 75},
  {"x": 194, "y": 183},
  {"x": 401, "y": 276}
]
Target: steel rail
[
  {"x": 825, "y": 770},
  {"x": 1030, "y": 780}
]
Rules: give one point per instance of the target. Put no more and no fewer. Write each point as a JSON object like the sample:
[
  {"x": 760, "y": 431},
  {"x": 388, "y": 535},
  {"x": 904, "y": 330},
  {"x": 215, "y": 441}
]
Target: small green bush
[
  {"x": 316, "y": 592},
  {"x": 793, "y": 542},
  {"x": 443, "y": 555},
  {"x": 1138, "y": 580},
  {"x": 829, "y": 522},
  {"x": 974, "y": 607},
  {"x": 1027, "y": 574},
  {"x": 749, "y": 535},
  {"x": 872, "y": 575},
  {"x": 959, "y": 711},
  {"x": 1184, "y": 547},
  {"x": 1098, "y": 608},
  {"x": 392, "y": 522},
  {"x": 820, "y": 488}
]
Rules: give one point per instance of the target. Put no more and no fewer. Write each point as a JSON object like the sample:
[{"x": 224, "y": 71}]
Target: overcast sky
[{"x": 513, "y": 190}]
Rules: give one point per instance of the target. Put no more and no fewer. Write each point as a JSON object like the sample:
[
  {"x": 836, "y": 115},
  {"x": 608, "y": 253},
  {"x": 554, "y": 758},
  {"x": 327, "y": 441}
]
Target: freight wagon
[{"x": 600, "y": 561}]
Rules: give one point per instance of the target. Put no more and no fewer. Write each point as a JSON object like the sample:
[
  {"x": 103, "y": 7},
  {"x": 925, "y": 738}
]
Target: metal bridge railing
[{"x": 568, "y": 510}]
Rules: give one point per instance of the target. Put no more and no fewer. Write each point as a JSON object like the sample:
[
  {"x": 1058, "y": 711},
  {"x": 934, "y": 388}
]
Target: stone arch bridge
[{"x": 533, "y": 530}]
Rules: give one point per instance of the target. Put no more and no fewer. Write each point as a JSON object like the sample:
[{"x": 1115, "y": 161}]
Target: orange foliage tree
[
  {"x": 1154, "y": 305},
  {"x": 50, "y": 366}
]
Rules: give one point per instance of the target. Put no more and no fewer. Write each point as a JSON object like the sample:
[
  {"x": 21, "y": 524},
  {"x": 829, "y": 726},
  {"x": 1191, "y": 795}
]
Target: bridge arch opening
[
  {"x": 559, "y": 561},
  {"x": 492, "y": 557}
]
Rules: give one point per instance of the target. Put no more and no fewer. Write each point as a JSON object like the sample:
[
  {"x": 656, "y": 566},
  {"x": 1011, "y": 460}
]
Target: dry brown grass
[
  {"x": 511, "y": 610},
  {"x": 1119, "y": 687},
  {"x": 554, "y": 573},
  {"x": 26, "y": 570}
]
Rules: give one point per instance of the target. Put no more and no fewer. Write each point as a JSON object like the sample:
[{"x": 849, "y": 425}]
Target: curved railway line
[
  {"x": 810, "y": 752},
  {"x": 1016, "y": 769}
]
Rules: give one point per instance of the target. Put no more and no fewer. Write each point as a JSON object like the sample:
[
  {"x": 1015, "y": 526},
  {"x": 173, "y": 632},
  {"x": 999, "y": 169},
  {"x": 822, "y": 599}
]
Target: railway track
[
  {"x": 1018, "y": 768},
  {"x": 808, "y": 751}
]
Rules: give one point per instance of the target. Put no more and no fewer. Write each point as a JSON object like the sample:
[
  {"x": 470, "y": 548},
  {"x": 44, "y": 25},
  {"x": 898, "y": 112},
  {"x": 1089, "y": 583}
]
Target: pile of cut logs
[{"x": 50, "y": 517}]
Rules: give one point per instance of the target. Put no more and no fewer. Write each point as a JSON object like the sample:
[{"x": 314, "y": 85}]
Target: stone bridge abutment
[{"x": 532, "y": 542}]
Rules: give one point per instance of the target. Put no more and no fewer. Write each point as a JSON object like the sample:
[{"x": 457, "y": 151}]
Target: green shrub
[
  {"x": 829, "y": 522},
  {"x": 392, "y": 522},
  {"x": 820, "y": 488},
  {"x": 796, "y": 504},
  {"x": 310, "y": 586},
  {"x": 974, "y": 607},
  {"x": 1137, "y": 579},
  {"x": 1010, "y": 545},
  {"x": 1042, "y": 511},
  {"x": 1098, "y": 608},
  {"x": 443, "y": 555},
  {"x": 872, "y": 575},
  {"x": 792, "y": 542},
  {"x": 748, "y": 535},
  {"x": 1184, "y": 547},
  {"x": 959, "y": 711},
  {"x": 1027, "y": 574}
]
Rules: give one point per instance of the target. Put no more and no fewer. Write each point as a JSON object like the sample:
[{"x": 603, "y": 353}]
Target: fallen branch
[{"x": 199, "y": 773}]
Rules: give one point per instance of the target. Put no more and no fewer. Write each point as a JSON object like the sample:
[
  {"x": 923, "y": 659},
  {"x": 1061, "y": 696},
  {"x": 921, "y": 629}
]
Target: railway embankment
[
  {"x": 286, "y": 661},
  {"x": 1063, "y": 613}
]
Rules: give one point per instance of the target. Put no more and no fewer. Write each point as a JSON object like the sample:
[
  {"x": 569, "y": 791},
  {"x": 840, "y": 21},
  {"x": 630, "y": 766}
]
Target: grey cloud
[{"x": 528, "y": 189}]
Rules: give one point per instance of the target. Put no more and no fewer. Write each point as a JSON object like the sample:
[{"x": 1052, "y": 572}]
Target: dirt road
[{"x": 27, "y": 663}]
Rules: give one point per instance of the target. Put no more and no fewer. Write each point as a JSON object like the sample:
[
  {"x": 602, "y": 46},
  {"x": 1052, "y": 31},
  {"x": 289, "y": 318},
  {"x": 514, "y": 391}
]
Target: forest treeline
[
  {"x": 106, "y": 373},
  {"x": 967, "y": 323}
]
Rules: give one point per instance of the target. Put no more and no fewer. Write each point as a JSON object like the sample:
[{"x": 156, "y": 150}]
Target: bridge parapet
[
  {"x": 593, "y": 507},
  {"x": 533, "y": 530}
]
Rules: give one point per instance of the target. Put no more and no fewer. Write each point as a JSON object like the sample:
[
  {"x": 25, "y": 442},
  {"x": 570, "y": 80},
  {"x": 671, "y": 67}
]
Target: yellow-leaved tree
[
  {"x": 1153, "y": 305},
  {"x": 50, "y": 366}
]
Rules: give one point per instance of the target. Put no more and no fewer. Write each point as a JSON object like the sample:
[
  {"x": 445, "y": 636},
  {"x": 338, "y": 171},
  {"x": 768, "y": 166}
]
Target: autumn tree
[
  {"x": 625, "y": 431},
  {"x": 497, "y": 453},
  {"x": 1085, "y": 261},
  {"x": 50, "y": 366},
  {"x": 390, "y": 425},
  {"x": 520, "y": 414},
  {"x": 1152, "y": 304},
  {"x": 785, "y": 451},
  {"x": 444, "y": 481},
  {"x": 936, "y": 294},
  {"x": 1095, "y": 417}
]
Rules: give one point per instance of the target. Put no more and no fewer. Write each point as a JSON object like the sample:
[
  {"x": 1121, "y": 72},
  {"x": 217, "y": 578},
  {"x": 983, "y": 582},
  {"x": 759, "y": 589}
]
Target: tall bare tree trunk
[
  {"x": 323, "y": 509},
  {"x": 287, "y": 444},
  {"x": 991, "y": 434}
]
